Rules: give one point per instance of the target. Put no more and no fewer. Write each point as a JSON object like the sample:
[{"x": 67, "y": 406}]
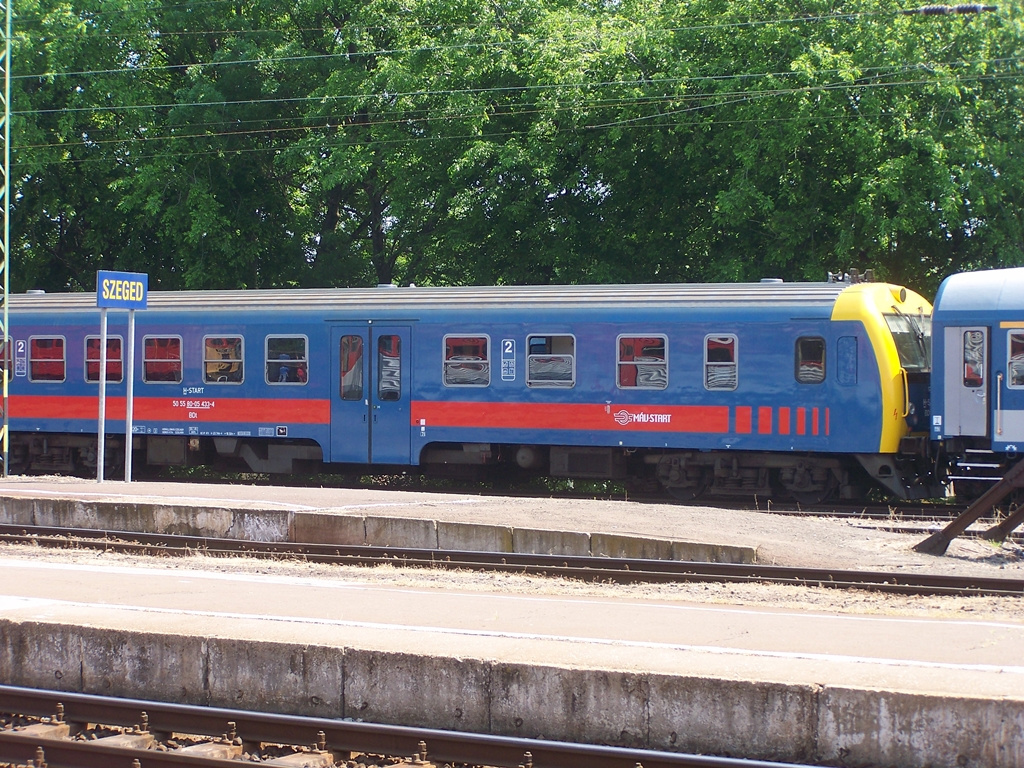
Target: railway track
[
  {"x": 600, "y": 569},
  {"x": 939, "y": 510},
  {"x": 70, "y": 730}
]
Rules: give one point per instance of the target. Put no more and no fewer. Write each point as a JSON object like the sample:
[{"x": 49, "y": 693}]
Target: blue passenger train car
[
  {"x": 803, "y": 388},
  {"x": 978, "y": 389}
]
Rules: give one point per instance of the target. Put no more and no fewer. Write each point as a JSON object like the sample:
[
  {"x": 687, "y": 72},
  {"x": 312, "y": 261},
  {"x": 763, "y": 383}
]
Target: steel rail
[
  {"x": 22, "y": 749},
  {"x": 340, "y": 735},
  {"x": 920, "y": 530},
  {"x": 616, "y": 570}
]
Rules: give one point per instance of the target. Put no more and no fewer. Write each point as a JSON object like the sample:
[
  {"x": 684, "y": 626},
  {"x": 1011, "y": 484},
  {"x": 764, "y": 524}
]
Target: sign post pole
[
  {"x": 102, "y": 427},
  {"x": 120, "y": 290},
  {"x": 129, "y": 398}
]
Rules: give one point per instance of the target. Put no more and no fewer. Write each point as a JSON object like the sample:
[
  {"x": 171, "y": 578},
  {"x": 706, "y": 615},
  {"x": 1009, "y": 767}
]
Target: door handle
[{"x": 999, "y": 403}]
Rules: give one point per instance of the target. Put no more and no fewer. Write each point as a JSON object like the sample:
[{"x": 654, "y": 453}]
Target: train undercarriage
[
  {"x": 975, "y": 468},
  {"x": 684, "y": 475},
  {"x": 63, "y": 454},
  {"x": 687, "y": 475}
]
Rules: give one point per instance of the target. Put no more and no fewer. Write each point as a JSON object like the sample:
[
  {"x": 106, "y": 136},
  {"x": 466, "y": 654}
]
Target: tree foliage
[{"x": 332, "y": 142}]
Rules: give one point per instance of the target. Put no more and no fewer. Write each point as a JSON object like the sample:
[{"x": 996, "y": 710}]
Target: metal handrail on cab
[{"x": 906, "y": 392}]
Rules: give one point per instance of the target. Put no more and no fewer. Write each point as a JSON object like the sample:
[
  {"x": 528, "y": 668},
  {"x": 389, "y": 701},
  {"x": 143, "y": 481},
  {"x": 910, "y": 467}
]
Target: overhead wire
[
  {"x": 521, "y": 109},
  {"x": 736, "y": 98},
  {"x": 432, "y": 48},
  {"x": 418, "y": 26},
  {"x": 432, "y": 93},
  {"x": 512, "y": 110}
]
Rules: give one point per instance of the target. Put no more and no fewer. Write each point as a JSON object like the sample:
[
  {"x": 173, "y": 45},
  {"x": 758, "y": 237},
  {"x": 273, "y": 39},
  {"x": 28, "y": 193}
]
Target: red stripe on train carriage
[
  {"x": 744, "y": 419},
  {"x": 245, "y": 410},
  {"x": 784, "y": 421},
  {"x": 572, "y": 416}
]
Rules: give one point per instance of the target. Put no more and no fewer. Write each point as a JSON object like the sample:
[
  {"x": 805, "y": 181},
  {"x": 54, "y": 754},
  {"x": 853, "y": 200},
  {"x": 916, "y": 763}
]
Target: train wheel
[
  {"x": 691, "y": 491},
  {"x": 818, "y": 495}
]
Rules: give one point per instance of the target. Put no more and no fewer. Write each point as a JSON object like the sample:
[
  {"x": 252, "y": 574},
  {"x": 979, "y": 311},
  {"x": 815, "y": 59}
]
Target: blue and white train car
[
  {"x": 806, "y": 388},
  {"x": 978, "y": 400}
]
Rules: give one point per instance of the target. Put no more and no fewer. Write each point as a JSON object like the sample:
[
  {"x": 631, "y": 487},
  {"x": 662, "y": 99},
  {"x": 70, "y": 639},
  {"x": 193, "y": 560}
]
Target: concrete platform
[
  {"x": 332, "y": 516},
  {"x": 764, "y": 684}
]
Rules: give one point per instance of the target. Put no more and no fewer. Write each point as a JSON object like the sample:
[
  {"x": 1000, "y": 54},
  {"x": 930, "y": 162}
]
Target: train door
[
  {"x": 370, "y": 394},
  {"x": 966, "y": 381}
]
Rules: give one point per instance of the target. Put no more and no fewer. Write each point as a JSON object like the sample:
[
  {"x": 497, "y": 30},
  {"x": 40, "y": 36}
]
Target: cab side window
[
  {"x": 846, "y": 360},
  {"x": 810, "y": 360}
]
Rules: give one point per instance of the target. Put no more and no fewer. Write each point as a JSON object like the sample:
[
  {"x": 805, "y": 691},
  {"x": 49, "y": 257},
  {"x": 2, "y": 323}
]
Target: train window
[
  {"x": 287, "y": 362},
  {"x": 115, "y": 369},
  {"x": 720, "y": 366},
  {"x": 161, "y": 359},
  {"x": 5, "y": 358},
  {"x": 222, "y": 359},
  {"x": 642, "y": 362},
  {"x": 46, "y": 358},
  {"x": 846, "y": 360},
  {"x": 389, "y": 368},
  {"x": 551, "y": 361},
  {"x": 1015, "y": 375},
  {"x": 974, "y": 359},
  {"x": 467, "y": 361},
  {"x": 913, "y": 337},
  {"x": 810, "y": 360},
  {"x": 351, "y": 368}
]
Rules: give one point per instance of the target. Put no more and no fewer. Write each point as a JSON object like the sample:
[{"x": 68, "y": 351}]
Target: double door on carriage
[
  {"x": 984, "y": 383},
  {"x": 370, "y": 394}
]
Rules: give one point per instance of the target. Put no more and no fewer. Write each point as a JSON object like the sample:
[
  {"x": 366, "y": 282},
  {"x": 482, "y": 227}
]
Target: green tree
[
  {"x": 70, "y": 146},
  {"x": 334, "y": 142}
]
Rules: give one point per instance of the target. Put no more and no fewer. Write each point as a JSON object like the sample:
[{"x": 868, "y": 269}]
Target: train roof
[
  {"x": 990, "y": 290},
  {"x": 766, "y": 294}
]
